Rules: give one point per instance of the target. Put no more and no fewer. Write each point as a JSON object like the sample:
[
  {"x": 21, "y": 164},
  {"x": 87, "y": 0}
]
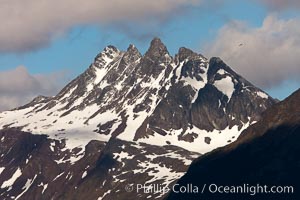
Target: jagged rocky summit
[
  {"x": 187, "y": 101},
  {"x": 128, "y": 119}
]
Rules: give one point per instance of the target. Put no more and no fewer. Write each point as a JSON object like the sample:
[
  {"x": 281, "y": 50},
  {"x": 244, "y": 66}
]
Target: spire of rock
[
  {"x": 133, "y": 52},
  {"x": 131, "y": 48},
  {"x": 185, "y": 53},
  {"x": 108, "y": 51},
  {"x": 157, "y": 49}
]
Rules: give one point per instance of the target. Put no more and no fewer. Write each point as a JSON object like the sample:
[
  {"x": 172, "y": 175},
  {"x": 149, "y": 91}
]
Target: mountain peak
[
  {"x": 132, "y": 49},
  {"x": 185, "y": 53},
  {"x": 215, "y": 64},
  {"x": 132, "y": 54},
  {"x": 216, "y": 60},
  {"x": 111, "y": 48},
  {"x": 109, "y": 51},
  {"x": 129, "y": 96},
  {"x": 184, "y": 50},
  {"x": 157, "y": 49},
  {"x": 156, "y": 40}
]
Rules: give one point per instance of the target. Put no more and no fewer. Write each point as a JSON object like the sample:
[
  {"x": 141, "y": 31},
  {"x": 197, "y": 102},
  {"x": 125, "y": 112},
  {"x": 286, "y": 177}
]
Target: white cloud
[
  {"x": 32, "y": 24},
  {"x": 267, "y": 55},
  {"x": 18, "y": 87}
]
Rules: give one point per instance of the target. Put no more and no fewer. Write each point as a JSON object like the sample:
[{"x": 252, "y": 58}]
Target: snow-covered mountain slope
[
  {"x": 36, "y": 167},
  {"x": 187, "y": 101}
]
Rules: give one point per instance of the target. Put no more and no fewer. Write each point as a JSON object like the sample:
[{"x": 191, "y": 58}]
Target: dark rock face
[
  {"x": 217, "y": 111},
  {"x": 266, "y": 153},
  {"x": 208, "y": 108},
  {"x": 127, "y": 118}
]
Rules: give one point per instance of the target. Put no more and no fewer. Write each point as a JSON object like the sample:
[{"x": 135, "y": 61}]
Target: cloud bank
[
  {"x": 266, "y": 56},
  {"x": 280, "y": 5},
  {"x": 18, "y": 87},
  {"x": 32, "y": 24}
]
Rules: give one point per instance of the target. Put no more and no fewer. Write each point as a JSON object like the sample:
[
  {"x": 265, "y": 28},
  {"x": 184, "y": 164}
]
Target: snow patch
[
  {"x": 12, "y": 180},
  {"x": 59, "y": 175},
  {"x": 84, "y": 175},
  {"x": 218, "y": 138},
  {"x": 226, "y": 86},
  {"x": 262, "y": 95},
  {"x": 44, "y": 188},
  {"x": 221, "y": 72},
  {"x": 122, "y": 155},
  {"x": 2, "y": 169},
  {"x": 106, "y": 193},
  {"x": 52, "y": 145}
]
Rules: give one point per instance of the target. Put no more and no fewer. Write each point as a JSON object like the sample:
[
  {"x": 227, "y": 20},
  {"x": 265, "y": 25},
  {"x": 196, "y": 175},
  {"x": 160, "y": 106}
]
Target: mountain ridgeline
[
  {"x": 126, "y": 118},
  {"x": 157, "y": 99}
]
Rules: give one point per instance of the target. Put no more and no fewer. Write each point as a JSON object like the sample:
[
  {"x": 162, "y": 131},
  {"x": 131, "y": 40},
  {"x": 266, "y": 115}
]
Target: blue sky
[
  {"x": 67, "y": 48},
  {"x": 76, "y": 49}
]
